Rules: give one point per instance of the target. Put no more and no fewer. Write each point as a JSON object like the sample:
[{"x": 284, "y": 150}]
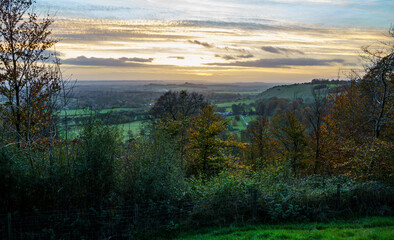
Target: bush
[
  {"x": 7, "y": 179},
  {"x": 229, "y": 199},
  {"x": 96, "y": 158},
  {"x": 319, "y": 199},
  {"x": 224, "y": 199},
  {"x": 152, "y": 172}
]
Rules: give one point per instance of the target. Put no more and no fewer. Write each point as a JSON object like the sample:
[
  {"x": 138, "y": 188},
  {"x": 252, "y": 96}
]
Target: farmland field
[
  {"x": 131, "y": 101},
  {"x": 125, "y": 128},
  {"x": 241, "y": 123},
  {"x": 229, "y": 104},
  {"x": 76, "y": 112},
  {"x": 135, "y": 126}
]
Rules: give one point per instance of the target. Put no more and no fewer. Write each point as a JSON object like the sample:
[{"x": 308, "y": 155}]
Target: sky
[{"x": 215, "y": 40}]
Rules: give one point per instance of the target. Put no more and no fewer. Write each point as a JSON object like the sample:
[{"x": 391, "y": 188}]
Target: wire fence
[
  {"x": 151, "y": 219},
  {"x": 127, "y": 222}
]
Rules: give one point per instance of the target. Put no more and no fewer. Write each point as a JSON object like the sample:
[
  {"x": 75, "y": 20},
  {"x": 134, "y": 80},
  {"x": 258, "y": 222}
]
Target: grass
[
  {"x": 241, "y": 93},
  {"x": 72, "y": 133},
  {"x": 334, "y": 85},
  {"x": 292, "y": 91},
  {"x": 240, "y": 124},
  {"x": 75, "y": 112},
  {"x": 366, "y": 228},
  {"x": 228, "y": 104},
  {"x": 250, "y": 118},
  {"x": 126, "y": 127}
]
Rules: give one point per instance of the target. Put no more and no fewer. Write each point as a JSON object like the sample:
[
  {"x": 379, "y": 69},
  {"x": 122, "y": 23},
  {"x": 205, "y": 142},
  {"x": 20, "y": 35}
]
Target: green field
[
  {"x": 291, "y": 92},
  {"x": 367, "y": 228},
  {"x": 72, "y": 133},
  {"x": 241, "y": 123},
  {"x": 77, "y": 112},
  {"x": 241, "y": 93},
  {"x": 125, "y": 128},
  {"x": 228, "y": 104},
  {"x": 133, "y": 127}
]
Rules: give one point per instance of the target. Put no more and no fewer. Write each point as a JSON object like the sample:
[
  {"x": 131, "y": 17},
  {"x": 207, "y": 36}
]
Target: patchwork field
[
  {"x": 136, "y": 125},
  {"x": 132, "y": 101}
]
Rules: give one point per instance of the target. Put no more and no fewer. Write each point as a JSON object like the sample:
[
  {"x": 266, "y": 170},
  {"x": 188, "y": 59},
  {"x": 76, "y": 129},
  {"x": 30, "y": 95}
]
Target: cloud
[
  {"x": 241, "y": 50},
  {"x": 229, "y": 57},
  {"x": 177, "y": 57},
  {"x": 267, "y": 25},
  {"x": 135, "y": 59},
  {"x": 279, "y": 50},
  {"x": 204, "y": 44},
  {"x": 245, "y": 56},
  {"x": 271, "y": 49},
  {"x": 77, "y": 31},
  {"x": 108, "y": 35},
  {"x": 108, "y": 62},
  {"x": 281, "y": 63},
  {"x": 333, "y": 2}
]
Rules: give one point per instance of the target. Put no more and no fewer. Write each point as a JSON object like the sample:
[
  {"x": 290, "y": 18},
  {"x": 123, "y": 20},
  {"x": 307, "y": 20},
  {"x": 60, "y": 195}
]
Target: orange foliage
[
  {"x": 208, "y": 147},
  {"x": 350, "y": 147}
]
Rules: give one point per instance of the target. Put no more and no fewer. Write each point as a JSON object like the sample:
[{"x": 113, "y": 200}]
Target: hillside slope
[{"x": 294, "y": 91}]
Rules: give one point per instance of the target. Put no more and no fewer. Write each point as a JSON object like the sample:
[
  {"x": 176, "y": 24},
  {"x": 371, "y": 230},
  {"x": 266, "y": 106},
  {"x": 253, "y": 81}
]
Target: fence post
[
  {"x": 339, "y": 200},
  {"x": 254, "y": 203},
  {"x": 9, "y": 226},
  {"x": 135, "y": 214}
]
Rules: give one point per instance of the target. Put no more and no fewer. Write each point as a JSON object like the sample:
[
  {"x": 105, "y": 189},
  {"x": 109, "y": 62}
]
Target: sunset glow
[{"x": 190, "y": 40}]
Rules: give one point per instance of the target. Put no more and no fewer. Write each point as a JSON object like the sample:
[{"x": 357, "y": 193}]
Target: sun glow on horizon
[{"x": 169, "y": 49}]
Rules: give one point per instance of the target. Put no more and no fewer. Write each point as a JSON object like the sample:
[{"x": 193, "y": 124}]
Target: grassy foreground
[{"x": 367, "y": 228}]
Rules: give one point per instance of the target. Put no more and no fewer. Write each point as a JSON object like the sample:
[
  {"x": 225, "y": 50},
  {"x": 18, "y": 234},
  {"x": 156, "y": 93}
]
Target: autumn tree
[
  {"x": 172, "y": 113},
  {"x": 260, "y": 109},
  {"x": 360, "y": 124},
  {"x": 238, "y": 109},
  {"x": 208, "y": 147},
  {"x": 260, "y": 142},
  {"x": 376, "y": 89},
  {"x": 349, "y": 145},
  {"x": 290, "y": 132},
  {"x": 275, "y": 106},
  {"x": 27, "y": 81},
  {"x": 173, "y": 106}
]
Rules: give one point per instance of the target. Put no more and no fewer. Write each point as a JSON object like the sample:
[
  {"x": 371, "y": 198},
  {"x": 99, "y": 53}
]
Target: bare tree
[
  {"x": 315, "y": 114},
  {"x": 377, "y": 85},
  {"x": 29, "y": 81}
]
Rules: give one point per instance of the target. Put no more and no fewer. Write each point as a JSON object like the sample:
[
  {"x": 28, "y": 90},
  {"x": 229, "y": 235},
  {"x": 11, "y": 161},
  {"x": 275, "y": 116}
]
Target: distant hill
[{"x": 299, "y": 90}]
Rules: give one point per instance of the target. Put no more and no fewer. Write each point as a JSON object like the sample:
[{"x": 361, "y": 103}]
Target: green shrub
[
  {"x": 228, "y": 199},
  {"x": 96, "y": 158},
  {"x": 7, "y": 179},
  {"x": 225, "y": 199},
  {"x": 151, "y": 172}
]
